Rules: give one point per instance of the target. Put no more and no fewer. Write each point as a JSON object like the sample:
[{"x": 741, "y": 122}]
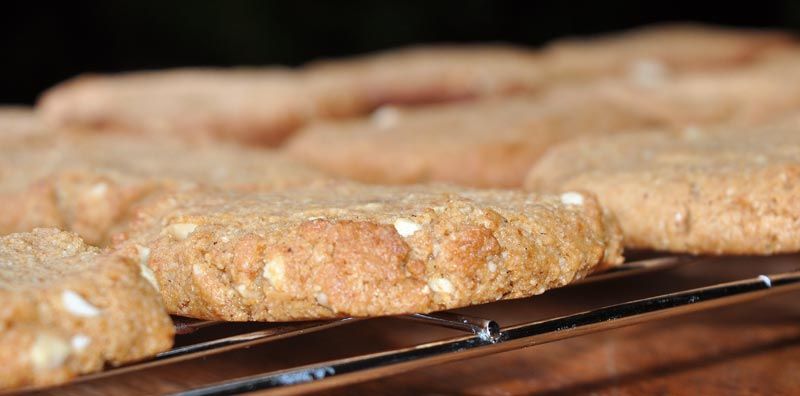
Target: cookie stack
[{"x": 410, "y": 181}]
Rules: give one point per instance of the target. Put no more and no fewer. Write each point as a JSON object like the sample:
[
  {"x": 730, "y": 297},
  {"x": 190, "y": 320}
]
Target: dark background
[{"x": 44, "y": 43}]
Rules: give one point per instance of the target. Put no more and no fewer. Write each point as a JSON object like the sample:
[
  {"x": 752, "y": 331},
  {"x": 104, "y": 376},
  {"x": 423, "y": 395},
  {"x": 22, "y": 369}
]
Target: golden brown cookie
[
  {"x": 708, "y": 191},
  {"x": 354, "y": 250},
  {"x": 86, "y": 182},
  {"x": 68, "y": 309},
  {"x": 493, "y": 143}
]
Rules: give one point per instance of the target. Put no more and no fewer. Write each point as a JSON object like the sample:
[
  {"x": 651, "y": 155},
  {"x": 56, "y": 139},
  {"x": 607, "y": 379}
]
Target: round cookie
[
  {"x": 494, "y": 142},
  {"x": 354, "y": 250},
  {"x": 245, "y": 104},
  {"x": 69, "y": 310},
  {"x": 85, "y": 182},
  {"x": 644, "y": 52},
  {"x": 724, "y": 190},
  {"x": 265, "y": 105}
]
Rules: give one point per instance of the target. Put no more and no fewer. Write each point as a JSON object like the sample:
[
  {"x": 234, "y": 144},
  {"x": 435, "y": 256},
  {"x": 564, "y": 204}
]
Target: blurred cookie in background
[
  {"x": 494, "y": 142},
  {"x": 85, "y": 182},
  {"x": 265, "y": 105}
]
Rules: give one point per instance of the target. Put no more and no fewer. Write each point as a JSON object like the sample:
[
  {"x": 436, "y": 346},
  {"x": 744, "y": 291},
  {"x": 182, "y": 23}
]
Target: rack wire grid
[{"x": 482, "y": 336}]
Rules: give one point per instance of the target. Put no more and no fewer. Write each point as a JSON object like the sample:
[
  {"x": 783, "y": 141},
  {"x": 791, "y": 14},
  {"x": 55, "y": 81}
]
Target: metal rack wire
[{"x": 483, "y": 336}]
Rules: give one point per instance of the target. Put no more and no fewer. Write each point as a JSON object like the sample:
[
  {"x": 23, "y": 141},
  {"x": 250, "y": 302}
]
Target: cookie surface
[
  {"x": 709, "y": 191},
  {"x": 19, "y": 126},
  {"x": 420, "y": 75},
  {"x": 251, "y": 105},
  {"x": 353, "y": 250},
  {"x": 660, "y": 49},
  {"x": 69, "y": 310},
  {"x": 431, "y": 74},
  {"x": 265, "y": 105},
  {"x": 493, "y": 143},
  {"x": 86, "y": 182}
]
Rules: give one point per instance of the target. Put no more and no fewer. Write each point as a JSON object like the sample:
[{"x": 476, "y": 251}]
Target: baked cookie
[
  {"x": 251, "y": 105},
  {"x": 20, "y": 126},
  {"x": 265, "y": 105},
  {"x": 421, "y": 75},
  {"x": 660, "y": 49},
  {"x": 354, "y": 250},
  {"x": 68, "y": 309},
  {"x": 494, "y": 142},
  {"x": 725, "y": 190},
  {"x": 486, "y": 143},
  {"x": 430, "y": 74},
  {"x": 86, "y": 182}
]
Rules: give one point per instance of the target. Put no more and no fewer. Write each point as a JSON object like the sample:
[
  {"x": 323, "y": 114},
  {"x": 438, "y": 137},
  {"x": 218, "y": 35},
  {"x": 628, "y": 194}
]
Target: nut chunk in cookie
[
  {"x": 68, "y": 309},
  {"x": 354, "y": 250}
]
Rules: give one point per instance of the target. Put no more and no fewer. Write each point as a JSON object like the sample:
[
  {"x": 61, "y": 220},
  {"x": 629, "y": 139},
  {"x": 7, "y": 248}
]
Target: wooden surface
[{"x": 741, "y": 350}]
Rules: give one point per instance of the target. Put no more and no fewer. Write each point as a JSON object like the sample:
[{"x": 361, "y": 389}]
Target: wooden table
[{"x": 746, "y": 349}]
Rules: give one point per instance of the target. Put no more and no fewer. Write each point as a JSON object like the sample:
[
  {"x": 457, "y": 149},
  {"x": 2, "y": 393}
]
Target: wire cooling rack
[{"x": 482, "y": 336}]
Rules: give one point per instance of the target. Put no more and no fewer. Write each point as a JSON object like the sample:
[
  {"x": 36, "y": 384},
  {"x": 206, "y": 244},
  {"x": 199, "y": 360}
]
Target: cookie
[
  {"x": 493, "y": 143},
  {"x": 726, "y": 190},
  {"x": 265, "y": 105},
  {"x": 660, "y": 49},
  {"x": 487, "y": 143},
  {"x": 20, "y": 126},
  {"x": 354, "y": 250},
  {"x": 69, "y": 309},
  {"x": 251, "y": 105},
  {"x": 422, "y": 75},
  {"x": 86, "y": 182},
  {"x": 431, "y": 74}
]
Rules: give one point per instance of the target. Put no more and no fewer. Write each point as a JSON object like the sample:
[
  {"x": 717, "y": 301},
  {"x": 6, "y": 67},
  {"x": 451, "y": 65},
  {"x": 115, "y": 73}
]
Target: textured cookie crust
[
  {"x": 86, "y": 182},
  {"x": 68, "y": 309},
  {"x": 351, "y": 250},
  {"x": 493, "y": 143},
  {"x": 708, "y": 191}
]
